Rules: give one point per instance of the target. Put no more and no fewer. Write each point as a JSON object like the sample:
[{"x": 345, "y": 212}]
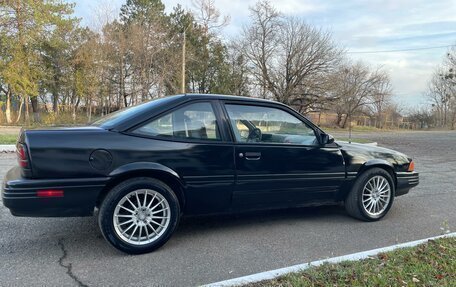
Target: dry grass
[{"x": 429, "y": 264}]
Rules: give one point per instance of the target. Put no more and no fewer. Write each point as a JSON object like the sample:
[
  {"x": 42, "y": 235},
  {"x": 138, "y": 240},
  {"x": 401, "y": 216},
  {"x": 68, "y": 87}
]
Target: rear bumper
[
  {"x": 79, "y": 195},
  {"x": 405, "y": 181}
]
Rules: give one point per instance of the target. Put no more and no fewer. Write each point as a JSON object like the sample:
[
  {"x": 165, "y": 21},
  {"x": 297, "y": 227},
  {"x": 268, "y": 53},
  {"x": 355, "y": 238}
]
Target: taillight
[{"x": 22, "y": 155}]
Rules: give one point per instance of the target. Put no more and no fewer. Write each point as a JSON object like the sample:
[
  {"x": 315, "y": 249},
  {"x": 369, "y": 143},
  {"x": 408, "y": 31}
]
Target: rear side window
[
  {"x": 194, "y": 121},
  {"x": 124, "y": 115}
]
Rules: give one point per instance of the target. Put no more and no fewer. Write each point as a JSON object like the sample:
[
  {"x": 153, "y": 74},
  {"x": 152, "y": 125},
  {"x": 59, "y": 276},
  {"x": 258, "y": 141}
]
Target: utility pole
[
  {"x": 183, "y": 65},
  {"x": 349, "y": 123}
]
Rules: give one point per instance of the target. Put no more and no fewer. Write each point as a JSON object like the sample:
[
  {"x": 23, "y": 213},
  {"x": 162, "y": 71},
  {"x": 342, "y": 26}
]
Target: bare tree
[
  {"x": 116, "y": 58},
  {"x": 420, "y": 118},
  {"x": 442, "y": 91},
  {"x": 381, "y": 99},
  {"x": 205, "y": 57},
  {"x": 356, "y": 86},
  {"x": 290, "y": 60},
  {"x": 208, "y": 16}
]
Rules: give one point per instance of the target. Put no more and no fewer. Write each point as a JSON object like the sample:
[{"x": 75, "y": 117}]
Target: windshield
[{"x": 112, "y": 119}]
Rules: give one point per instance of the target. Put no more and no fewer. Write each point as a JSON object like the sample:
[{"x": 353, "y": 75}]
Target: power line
[{"x": 399, "y": 50}]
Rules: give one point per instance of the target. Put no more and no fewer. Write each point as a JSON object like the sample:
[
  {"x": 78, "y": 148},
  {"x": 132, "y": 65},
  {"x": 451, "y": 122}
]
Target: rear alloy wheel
[
  {"x": 139, "y": 215},
  {"x": 371, "y": 196}
]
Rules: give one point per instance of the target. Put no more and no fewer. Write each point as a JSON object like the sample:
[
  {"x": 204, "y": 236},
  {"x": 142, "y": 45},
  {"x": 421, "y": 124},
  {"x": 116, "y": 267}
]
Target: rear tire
[
  {"x": 139, "y": 215},
  {"x": 371, "y": 196}
]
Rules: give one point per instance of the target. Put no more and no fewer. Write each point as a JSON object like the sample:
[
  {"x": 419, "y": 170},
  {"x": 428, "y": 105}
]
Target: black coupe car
[{"x": 145, "y": 166}]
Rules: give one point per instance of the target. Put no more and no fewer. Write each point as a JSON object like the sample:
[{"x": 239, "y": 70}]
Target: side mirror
[{"x": 326, "y": 139}]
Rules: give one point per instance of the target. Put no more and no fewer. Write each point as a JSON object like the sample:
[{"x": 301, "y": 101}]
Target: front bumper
[
  {"x": 405, "y": 181},
  {"x": 79, "y": 195}
]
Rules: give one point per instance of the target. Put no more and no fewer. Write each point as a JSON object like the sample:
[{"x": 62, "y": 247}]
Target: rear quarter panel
[{"x": 206, "y": 170}]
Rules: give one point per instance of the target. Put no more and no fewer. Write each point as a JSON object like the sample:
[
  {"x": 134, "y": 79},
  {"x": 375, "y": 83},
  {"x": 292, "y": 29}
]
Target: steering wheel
[{"x": 254, "y": 135}]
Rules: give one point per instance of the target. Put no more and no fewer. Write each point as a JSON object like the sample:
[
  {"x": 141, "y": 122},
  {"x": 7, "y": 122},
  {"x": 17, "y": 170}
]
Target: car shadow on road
[
  {"x": 214, "y": 223},
  {"x": 83, "y": 235}
]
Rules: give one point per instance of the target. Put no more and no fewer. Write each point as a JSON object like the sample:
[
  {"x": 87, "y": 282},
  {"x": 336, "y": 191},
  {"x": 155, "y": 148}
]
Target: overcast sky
[{"x": 359, "y": 26}]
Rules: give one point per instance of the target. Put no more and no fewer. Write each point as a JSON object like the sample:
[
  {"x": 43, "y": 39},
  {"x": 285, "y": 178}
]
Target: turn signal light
[
  {"x": 49, "y": 193},
  {"x": 411, "y": 166}
]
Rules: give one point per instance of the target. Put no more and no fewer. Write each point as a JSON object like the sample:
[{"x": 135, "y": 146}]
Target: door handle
[{"x": 252, "y": 155}]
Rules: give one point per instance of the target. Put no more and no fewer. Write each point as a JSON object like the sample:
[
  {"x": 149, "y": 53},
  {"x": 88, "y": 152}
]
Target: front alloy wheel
[
  {"x": 376, "y": 195},
  {"x": 371, "y": 195}
]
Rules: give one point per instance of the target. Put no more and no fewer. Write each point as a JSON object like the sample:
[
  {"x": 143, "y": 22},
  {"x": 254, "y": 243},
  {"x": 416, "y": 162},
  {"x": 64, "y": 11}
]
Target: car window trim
[
  {"x": 179, "y": 140},
  {"x": 270, "y": 105},
  {"x": 131, "y": 130}
]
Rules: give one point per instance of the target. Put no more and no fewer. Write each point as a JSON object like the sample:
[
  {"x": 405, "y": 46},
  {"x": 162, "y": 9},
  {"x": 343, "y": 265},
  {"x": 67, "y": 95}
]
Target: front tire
[
  {"x": 371, "y": 196},
  {"x": 139, "y": 215}
]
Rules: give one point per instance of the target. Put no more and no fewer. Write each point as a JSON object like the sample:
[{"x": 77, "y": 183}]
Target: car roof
[
  {"x": 227, "y": 97},
  {"x": 129, "y": 117}
]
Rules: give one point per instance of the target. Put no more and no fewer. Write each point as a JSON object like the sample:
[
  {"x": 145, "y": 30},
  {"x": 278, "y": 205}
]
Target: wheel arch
[
  {"x": 145, "y": 169},
  {"x": 379, "y": 163},
  {"x": 374, "y": 163}
]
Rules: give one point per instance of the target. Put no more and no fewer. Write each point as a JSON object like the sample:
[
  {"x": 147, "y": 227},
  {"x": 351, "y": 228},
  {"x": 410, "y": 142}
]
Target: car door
[{"x": 279, "y": 160}]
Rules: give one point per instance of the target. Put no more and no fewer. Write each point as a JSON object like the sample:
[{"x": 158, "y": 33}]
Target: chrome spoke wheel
[
  {"x": 141, "y": 216},
  {"x": 376, "y": 195}
]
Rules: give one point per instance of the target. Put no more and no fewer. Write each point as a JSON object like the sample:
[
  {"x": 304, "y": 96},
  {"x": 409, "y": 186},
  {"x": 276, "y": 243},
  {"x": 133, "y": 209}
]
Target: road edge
[
  {"x": 271, "y": 274},
  {"x": 7, "y": 148}
]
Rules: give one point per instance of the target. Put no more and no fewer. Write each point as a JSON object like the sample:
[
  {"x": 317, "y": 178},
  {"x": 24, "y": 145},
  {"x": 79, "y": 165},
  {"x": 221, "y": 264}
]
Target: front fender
[
  {"x": 388, "y": 166},
  {"x": 358, "y": 168},
  {"x": 376, "y": 162},
  {"x": 358, "y": 157}
]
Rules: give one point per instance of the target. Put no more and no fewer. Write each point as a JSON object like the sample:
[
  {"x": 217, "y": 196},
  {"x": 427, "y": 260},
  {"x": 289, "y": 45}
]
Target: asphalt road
[{"x": 71, "y": 251}]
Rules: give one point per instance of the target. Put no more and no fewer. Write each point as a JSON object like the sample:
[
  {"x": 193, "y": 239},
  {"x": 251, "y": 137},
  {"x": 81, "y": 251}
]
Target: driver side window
[{"x": 256, "y": 124}]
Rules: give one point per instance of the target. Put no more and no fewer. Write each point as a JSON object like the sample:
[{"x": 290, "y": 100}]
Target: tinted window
[
  {"x": 125, "y": 114},
  {"x": 268, "y": 125},
  {"x": 194, "y": 121}
]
